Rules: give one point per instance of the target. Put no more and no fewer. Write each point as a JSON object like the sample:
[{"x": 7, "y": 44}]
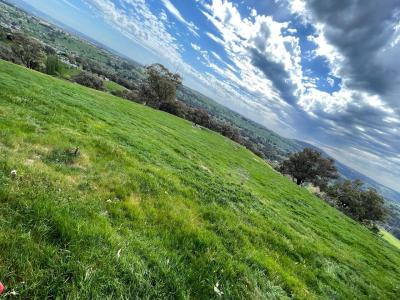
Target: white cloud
[
  {"x": 239, "y": 34},
  {"x": 175, "y": 12},
  {"x": 70, "y": 4},
  {"x": 215, "y": 38},
  {"x": 195, "y": 46}
]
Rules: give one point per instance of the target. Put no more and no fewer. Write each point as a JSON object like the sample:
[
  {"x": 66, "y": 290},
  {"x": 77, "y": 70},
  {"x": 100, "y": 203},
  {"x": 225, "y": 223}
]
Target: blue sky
[{"x": 326, "y": 72}]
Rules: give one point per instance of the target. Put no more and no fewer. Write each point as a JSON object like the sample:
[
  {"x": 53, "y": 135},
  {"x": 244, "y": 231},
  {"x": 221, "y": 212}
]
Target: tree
[
  {"x": 159, "y": 86},
  {"x": 174, "y": 107},
  {"x": 29, "y": 51},
  {"x": 309, "y": 166},
  {"x": 226, "y": 130},
  {"x": 53, "y": 66},
  {"x": 374, "y": 204},
  {"x": 347, "y": 197},
  {"x": 364, "y": 206},
  {"x": 199, "y": 116}
]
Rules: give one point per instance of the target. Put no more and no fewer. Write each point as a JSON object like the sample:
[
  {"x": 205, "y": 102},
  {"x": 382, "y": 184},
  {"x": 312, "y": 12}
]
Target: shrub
[
  {"x": 176, "y": 108},
  {"x": 89, "y": 80},
  {"x": 53, "y": 65},
  {"x": 7, "y": 54},
  {"x": 364, "y": 206},
  {"x": 127, "y": 94}
]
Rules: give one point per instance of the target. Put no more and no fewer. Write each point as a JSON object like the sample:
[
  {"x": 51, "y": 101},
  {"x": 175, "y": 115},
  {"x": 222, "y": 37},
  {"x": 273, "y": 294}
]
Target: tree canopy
[
  {"x": 29, "y": 51},
  {"x": 363, "y": 205},
  {"x": 159, "y": 86},
  {"x": 309, "y": 166}
]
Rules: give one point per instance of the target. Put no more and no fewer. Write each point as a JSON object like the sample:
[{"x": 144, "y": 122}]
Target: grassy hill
[
  {"x": 72, "y": 44},
  {"x": 155, "y": 208}
]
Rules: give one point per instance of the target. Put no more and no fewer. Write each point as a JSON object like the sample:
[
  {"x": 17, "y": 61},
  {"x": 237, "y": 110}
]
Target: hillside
[
  {"x": 80, "y": 51},
  {"x": 73, "y": 44},
  {"x": 275, "y": 147},
  {"x": 155, "y": 208}
]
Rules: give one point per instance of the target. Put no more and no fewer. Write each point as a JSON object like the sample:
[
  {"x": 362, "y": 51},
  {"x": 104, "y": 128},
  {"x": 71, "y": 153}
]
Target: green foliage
[
  {"x": 29, "y": 51},
  {"x": 89, "y": 80},
  {"x": 154, "y": 208},
  {"x": 159, "y": 86},
  {"x": 53, "y": 65},
  {"x": 309, "y": 166},
  {"x": 365, "y": 206}
]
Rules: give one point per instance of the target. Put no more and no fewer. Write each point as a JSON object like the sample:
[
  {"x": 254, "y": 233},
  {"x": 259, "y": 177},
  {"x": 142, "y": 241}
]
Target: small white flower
[
  {"x": 217, "y": 290},
  {"x": 13, "y": 173}
]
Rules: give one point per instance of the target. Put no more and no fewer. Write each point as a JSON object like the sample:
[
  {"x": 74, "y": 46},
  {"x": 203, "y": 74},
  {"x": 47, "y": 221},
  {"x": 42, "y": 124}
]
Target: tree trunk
[{"x": 299, "y": 181}]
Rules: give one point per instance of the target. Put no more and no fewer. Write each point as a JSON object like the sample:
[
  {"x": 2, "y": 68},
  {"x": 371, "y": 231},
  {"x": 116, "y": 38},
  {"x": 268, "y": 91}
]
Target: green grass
[
  {"x": 111, "y": 86},
  {"x": 390, "y": 238},
  {"x": 152, "y": 208},
  {"x": 69, "y": 72}
]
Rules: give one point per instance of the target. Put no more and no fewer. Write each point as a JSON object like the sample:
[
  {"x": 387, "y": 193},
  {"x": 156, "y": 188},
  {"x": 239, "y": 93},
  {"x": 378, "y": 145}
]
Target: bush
[
  {"x": 89, "y": 80},
  {"x": 199, "y": 116},
  {"x": 127, "y": 94},
  {"x": 7, "y": 54},
  {"x": 176, "y": 108},
  {"x": 53, "y": 65},
  {"x": 364, "y": 206}
]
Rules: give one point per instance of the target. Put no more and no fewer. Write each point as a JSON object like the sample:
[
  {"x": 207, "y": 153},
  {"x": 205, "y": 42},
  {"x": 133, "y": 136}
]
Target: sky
[{"x": 325, "y": 72}]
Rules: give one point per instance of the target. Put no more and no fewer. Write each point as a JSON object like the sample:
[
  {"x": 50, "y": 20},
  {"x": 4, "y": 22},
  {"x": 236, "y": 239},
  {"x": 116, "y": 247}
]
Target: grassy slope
[
  {"x": 390, "y": 238},
  {"x": 113, "y": 87},
  {"x": 154, "y": 208}
]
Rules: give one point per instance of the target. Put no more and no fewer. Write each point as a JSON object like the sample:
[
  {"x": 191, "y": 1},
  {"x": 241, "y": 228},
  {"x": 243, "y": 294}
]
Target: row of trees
[{"x": 366, "y": 206}]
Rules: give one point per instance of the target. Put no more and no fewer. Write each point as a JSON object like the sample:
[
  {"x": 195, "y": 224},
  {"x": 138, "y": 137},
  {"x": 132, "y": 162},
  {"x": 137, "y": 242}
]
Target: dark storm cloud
[
  {"x": 366, "y": 126},
  {"x": 277, "y": 73},
  {"x": 361, "y": 29},
  {"x": 363, "y": 32}
]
